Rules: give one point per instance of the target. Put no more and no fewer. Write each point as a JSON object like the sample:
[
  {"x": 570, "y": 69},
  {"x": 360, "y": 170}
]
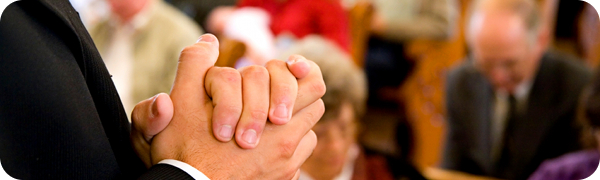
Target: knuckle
[
  {"x": 284, "y": 88},
  {"x": 287, "y": 148},
  {"x": 256, "y": 72},
  {"x": 284, "y": 92},
  {"x": 275, "y": 63},
  {"x": 310, "y": 117},
  {"x": 290, "y": 173},
  {"x": 271, "y": 63},
  {"x": 136, "y": 114},
  {"x": 188, "y": 49},
  {"x": 230, "y": 75},
  {"x": 259, "y": 115},
  {"x": 196, "y": 51},
  {"x": 318, "y": 88},
  {"x": 313, "y": 139},
  {"x": 231, "y": 110},
  {"x": 321, "y": 108}
]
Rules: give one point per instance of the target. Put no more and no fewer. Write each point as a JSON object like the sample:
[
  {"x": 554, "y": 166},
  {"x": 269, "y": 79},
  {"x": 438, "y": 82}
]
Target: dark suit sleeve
[
  {"x": 164, "y": 171},
  {"x": 50, "y": 127}
]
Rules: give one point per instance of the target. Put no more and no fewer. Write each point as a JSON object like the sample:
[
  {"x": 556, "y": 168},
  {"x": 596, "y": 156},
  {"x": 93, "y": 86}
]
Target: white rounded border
[
  {"x": 594, "y": 3},
  {"x": 4, "y": 4},
  {"x": 4, "y": 175}
]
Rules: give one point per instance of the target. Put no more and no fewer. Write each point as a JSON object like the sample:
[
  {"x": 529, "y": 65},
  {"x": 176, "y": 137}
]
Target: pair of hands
[{"x": 232, "y": 104}]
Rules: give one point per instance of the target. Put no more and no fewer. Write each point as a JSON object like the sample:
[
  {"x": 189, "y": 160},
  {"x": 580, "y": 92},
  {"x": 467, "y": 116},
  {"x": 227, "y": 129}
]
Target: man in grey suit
[{"x": 513, "y": 103}]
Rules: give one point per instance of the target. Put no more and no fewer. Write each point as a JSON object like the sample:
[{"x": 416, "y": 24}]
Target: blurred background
[{"x": 385, "y": 63}]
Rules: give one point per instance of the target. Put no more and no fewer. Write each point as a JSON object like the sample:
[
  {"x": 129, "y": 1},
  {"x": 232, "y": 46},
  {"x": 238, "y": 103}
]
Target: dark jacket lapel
[
  {"x": 106, "y": 99},
  {"x": 482, "y": 122},
  {"x": 540, "y": 114}
]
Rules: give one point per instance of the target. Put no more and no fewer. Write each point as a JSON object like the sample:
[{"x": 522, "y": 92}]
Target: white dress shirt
[
  {"x": 195, "y": 173},
  {"x": 119, "y": 57}
]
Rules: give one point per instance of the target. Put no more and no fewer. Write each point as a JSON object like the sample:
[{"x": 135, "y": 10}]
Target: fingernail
[
  {"x": 281, "y": 111},
  {"x": 206, "y": 38},
  {"x": 249, "y": 136},
  {"x": 225, "y": 131},
  {"x": 154, "y": 105},
  {"x": 291, "y": 60}
]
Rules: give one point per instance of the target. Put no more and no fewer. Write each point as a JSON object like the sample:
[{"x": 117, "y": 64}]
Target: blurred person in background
[
  {"x": 268, "y": 27},
  {"x": 338, "y": 155},
  {"x": 200, "y": 10},
  {"x": 581, "y": 164},
  {"x": 404, "y": 20},
  {"x": 394, "y": 24},
  {"x": 249, "y": 25},
  {"x": 91, "y": 11},
  {"x": 140, "y": 43},
  {"x": 512, "y": 105},
  {"x": 303, "y": 17}
]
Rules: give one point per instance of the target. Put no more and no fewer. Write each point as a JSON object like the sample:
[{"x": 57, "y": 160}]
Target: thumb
[
  {"x": 298, "y": 66},
  {"x": 194, "y": 63},
  {"x": 151, "y": 116}
]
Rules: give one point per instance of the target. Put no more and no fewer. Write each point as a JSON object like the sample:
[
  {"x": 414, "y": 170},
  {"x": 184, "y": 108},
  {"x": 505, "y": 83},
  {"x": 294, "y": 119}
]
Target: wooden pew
[
  {"x": 360, "y": 22},
  {"x": 436, "y": 173},
  {"x": 230, "y": 50},
  {"x": 424, "y": 90}
]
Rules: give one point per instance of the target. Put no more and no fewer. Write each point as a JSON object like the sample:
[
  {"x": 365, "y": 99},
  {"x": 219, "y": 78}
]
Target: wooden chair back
[
  {"x": 424, "y": 90},
  {"x": 360, "y": 22},
  {"x": 230, "y": 50}
]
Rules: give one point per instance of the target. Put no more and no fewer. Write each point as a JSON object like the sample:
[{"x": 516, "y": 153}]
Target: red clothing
[{"x": 303, "y": 17}]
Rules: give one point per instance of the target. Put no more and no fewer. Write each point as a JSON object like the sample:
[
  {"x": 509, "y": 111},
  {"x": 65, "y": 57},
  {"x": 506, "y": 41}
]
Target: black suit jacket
[
  {"x": 60, "y": 115},
  {"x": 547, "y": 129}
]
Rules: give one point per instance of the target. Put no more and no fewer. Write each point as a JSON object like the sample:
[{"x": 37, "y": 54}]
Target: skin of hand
[{"x": 151, "y": 116}]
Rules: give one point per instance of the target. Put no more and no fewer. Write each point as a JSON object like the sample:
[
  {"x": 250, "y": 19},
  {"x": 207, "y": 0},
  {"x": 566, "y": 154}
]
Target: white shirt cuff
[{"x": 195, "y": 173}]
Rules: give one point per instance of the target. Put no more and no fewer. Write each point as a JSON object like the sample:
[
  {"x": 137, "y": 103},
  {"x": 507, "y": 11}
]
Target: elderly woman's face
[{"x": 335, "y": 136}]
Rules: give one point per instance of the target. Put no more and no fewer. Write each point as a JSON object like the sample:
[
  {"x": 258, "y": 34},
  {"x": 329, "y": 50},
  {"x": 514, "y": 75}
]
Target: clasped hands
[{"x": 251, "y": 123}]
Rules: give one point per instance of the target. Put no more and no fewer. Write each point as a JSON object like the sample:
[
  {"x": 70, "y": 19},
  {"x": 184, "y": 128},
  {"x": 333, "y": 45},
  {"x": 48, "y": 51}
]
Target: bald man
[{"x": 513, "y": 103}]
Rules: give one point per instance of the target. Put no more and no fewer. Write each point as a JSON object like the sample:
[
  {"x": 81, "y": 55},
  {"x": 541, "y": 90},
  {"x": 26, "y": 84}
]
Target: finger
[
  {"x": 297, "y": 175},
  {"x": 255, "y": 94},
  {"x": 298, "y": 66},
  {"x": 224, "y": 86},
  {"x": 311, "y": 87},
  {"x": 301, "y": 122},
  {"x": 149, "y": 117},
  {"x": 194, "y": 63},
  {"x": 284, "y": 88},
  {"x": 305, "y": 148},
  {"x": 152, "y": 115}
]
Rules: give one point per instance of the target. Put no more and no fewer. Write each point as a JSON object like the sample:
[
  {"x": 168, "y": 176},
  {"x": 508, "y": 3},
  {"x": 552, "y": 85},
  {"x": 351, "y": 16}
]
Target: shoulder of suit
[
  {"x": 464, "y": 70},
  {"x": 569, "y": 66},
  {"x": 569, "y": 73}
]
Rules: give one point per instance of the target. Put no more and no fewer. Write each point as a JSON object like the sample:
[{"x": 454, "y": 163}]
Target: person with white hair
[{"x": 512, "y": 104}]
